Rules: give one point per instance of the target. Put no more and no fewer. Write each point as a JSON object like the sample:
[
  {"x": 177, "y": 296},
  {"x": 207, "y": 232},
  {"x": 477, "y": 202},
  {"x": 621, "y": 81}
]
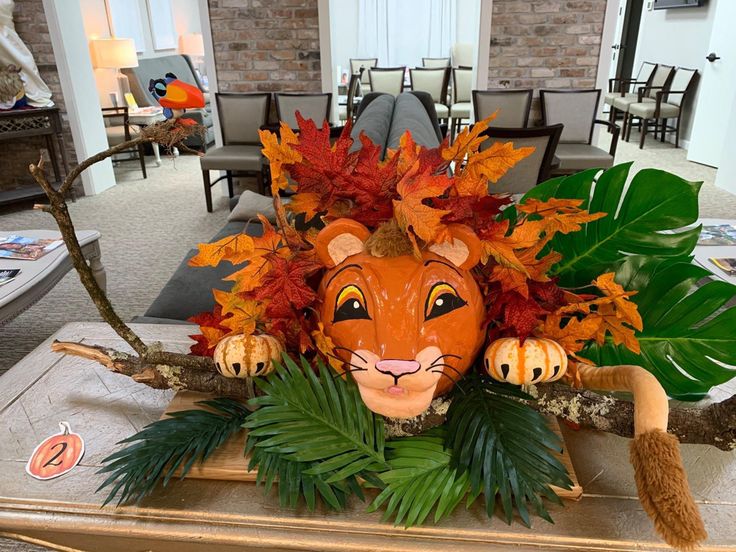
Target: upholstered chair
[
  {"x": 389, "y": 80},
  {"x": 512, "y": 107},
  {"x": 660, "y": 80},
  {"x": 433, "y": 81},
  {"x": 462, "y": 85},
  {"x": 667, "y": 104},
  {"x": 434, "y": 63},
  {"x": 310, "y": 106},
  {"x": 241, "y": 116},
  {"x": 576, "y": 109},
  {"x": 627, "y": 88},
  {"x": 364, "y": 64}
]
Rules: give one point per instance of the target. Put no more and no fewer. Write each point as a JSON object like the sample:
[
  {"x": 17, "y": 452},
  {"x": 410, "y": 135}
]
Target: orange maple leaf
[
  {"x": 270, "y": 242},
  {"x": 467, "y": 142},
  {"x": 490, "y": 164},
  {"x": 558, "y": 215},
  {"x": 245, "y": 317},
  {"x": 410, "y": 211},
  {"x": 236, "y": 249},
  {"x": 326, "y": 346},
  {"x": 307, "y": 203},
  {"x": 279, "y": 154},
  {"x": 574, "y": 335}
]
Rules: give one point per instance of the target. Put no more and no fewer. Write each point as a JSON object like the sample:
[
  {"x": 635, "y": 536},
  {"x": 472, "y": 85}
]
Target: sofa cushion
[
  {"x": 189, "y": 290},
  {"x": 410, "y": 114},
  {"x": 233, "y": 158},
  {"x": 374, "y": 118},
  {"x": 251, "y": 204}
]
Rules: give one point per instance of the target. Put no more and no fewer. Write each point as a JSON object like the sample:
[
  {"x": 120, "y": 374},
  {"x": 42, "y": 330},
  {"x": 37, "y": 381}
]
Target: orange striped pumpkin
[
  {"x": 245, "y": 356},
  {"x": 56, "y": 455},
  {"x": 537, "y": 360}
]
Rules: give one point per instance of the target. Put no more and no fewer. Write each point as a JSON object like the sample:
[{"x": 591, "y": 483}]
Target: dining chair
[
  {"x": 433, "y": 81},
  {"x": 531, "y": 170},
  {"x": 660, "y": 80},
  {"x": 310, "y": 106},
  {"x": 667, "y": 104},
  {"x": 626, "y": 88},
  {"x": 576, "y": 110},
  {"x": 512, "y": 107},
  {"x": 360, "y": 66},
  {"x": 347, "y": 112},
  {"x": 122, "y": 132},
  {"x": 461, "y": 98},
  {"x": 389, "y": 80},
  {"x": 241, "y": 116},
  {"x": 462, "y": 54},
  {"x": 434, "y": 63}
]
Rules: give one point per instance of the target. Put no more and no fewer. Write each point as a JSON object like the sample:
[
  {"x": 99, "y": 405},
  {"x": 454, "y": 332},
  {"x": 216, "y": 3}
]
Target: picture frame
[
  {"x": 124, "y": 18},
  {"x": 163, "y": 30}
]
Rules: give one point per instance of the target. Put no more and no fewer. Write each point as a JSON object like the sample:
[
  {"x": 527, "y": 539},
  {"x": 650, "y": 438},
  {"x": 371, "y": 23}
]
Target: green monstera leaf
[
  {"x": 642, "y": 219},
  {"x": 688, "y": 341}
]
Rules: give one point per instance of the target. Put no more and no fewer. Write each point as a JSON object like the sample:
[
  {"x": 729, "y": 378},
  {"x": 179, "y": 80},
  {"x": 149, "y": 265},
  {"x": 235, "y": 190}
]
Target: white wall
[
  {"x": 678, "y": 37},
  {"x": 466, "y": 21},
  {"x": 186, "y": 20}
]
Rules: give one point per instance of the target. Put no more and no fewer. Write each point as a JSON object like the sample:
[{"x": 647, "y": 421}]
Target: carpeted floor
[{"x": 148, "y": 226}]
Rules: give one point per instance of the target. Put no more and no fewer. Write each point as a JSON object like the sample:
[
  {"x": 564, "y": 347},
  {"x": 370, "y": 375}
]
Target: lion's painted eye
[
  {"x": 350, "y": 305},
  {"x": 442, "y": 299}
]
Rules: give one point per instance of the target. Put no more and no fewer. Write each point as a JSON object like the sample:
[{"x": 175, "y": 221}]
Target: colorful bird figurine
[{"x": 176, "y": 96}]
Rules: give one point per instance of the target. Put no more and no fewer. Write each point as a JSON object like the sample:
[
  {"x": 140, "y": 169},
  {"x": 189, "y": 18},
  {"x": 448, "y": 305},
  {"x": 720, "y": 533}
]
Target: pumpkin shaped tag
[{"x": 56, "y": 455}]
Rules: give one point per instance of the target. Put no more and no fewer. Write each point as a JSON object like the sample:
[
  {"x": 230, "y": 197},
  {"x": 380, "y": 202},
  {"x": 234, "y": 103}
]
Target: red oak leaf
[{"x": 285, "y": 286}]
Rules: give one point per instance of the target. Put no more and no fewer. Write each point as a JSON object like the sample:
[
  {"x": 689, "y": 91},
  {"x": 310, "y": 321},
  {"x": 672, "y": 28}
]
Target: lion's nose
[{"x": 397, "y": 368}]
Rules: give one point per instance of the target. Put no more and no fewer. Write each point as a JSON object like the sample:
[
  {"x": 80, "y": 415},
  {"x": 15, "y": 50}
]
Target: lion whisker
[
  {"x": 350, "y": 371},
  {"x": 445, "y": 365},
  {"x": 351, "y": 352},
  {"x": 345, "y": 361},
  {"x": 448, "y": 376}
]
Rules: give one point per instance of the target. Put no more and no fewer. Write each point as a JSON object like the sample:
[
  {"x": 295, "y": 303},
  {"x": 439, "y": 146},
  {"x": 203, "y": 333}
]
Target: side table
[
  {"x": 204, "y": 515},
  {"x": 146, "y": 117},
  {"x": 38, "y": 277}
]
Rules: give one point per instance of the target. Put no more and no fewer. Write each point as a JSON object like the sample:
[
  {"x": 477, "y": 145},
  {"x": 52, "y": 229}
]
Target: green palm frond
[
  {"x": 421, "y": 477},
  {"x": 174, "y": 443},
  {"x": 505, "y": 447},
  {"x": 294, "y": 482},
  {"x": 319, "y": 421}
]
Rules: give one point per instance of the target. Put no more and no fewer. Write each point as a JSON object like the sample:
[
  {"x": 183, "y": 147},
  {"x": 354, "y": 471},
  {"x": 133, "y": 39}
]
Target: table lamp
[
  {"x": 192, "y": 45},
  {"x": 115, "y": 53}
]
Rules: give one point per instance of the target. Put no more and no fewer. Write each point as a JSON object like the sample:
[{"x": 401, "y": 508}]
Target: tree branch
[{"x": 160, "y": 375}]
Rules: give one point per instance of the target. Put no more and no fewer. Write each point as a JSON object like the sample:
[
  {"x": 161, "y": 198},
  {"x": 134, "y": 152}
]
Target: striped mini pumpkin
[
  {"x": 245, "y": 356},
  {"x": 538, "y": 360}
]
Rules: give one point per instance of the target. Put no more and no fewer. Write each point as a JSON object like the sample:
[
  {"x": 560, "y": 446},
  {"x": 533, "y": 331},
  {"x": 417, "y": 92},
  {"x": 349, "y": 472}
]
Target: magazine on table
[
  {"x": 7, "y": 275},
  {"x": 726, "y": 265},
  {"x": 720, "y": 234},
  {"x": 27, "y": 249}
]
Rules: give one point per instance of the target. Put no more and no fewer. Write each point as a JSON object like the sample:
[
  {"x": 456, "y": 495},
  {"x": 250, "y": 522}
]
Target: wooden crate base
[{"x": 229, "y": 464}]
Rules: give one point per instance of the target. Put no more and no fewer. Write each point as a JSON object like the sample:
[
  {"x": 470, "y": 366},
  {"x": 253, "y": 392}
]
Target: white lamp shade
[
  {"x": 113, "y": 53},
  {"x": 191, "y": 44}
]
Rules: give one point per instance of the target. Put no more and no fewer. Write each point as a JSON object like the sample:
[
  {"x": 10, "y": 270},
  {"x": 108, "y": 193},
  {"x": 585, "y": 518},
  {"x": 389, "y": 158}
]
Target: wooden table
[
  {"x": 38, "y": 277},
  {"x": 23, "y": 123},
  {"x": 197, "y": 515}
]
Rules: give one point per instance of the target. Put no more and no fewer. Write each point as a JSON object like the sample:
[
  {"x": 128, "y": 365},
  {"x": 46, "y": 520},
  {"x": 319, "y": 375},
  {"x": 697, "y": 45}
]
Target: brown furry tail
[{"x": 663, "y": 489}]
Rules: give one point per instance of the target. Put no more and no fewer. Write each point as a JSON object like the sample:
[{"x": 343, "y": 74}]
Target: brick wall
[
  {"x": 30, "y": 23},
  {"x": 263, "y": 45},
  {"x": 545, "y": 44}
]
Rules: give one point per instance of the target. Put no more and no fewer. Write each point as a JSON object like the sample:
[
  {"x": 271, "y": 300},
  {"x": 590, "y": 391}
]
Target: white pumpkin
[
  {"x": 538, "y": 360},
  {"x": 245, "y": 356}
]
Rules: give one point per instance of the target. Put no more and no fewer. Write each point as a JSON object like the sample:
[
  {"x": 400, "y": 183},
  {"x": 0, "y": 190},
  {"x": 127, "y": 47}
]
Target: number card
[{"x": 56, "y": 455}]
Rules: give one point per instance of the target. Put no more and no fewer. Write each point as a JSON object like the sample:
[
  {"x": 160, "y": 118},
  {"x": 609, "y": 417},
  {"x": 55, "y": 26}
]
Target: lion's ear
[
  {"x": 339, "y": 240},
  {"x": 463, "y": 250}
]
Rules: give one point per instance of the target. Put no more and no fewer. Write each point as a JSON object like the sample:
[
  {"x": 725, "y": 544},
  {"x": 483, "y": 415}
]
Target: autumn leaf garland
[{"x": 423, "y": 190}]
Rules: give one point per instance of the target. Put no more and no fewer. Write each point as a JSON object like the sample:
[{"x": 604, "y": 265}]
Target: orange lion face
[{"x": 405, "y": 328}]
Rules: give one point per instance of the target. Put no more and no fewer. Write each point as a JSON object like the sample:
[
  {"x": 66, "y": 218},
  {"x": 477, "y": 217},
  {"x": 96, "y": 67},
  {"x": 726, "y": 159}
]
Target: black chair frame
[{"x": 553, "y": 131}]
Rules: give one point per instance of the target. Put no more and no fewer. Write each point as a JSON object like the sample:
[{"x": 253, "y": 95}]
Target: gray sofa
[
  {"x": 383, "y": 118},
  {"x": 180, "y": 65}
]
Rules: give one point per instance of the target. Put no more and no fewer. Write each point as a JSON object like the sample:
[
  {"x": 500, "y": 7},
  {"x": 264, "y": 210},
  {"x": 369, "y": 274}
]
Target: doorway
[{"x": 628, "y": 39}]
